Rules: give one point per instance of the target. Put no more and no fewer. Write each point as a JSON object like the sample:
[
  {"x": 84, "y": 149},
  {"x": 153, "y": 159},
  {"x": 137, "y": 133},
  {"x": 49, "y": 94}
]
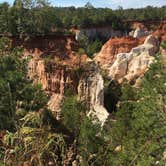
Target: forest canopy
[{"x": 28, "y": 17}]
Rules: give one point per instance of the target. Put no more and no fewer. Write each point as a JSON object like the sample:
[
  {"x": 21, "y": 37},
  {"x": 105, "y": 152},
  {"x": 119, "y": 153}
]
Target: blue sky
[{"x": 106, "y": 3}]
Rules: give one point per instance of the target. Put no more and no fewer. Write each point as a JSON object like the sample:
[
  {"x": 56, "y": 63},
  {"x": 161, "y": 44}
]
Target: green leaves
[
  {"x": 163, "y": 44},
  {"x": 71, "y": 112},
  {"x": 89, "y": 46},
  {"x": 16, "y": 91},
  {"x": 140, "y": 126}
]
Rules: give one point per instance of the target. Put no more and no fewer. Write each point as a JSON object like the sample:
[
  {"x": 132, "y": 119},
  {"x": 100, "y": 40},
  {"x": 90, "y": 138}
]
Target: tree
[
  {"x": 17, "y": 93},
  {"x": 89, "y": 143},
  {"x": 138, "y": 135},
  {"x": 88, "y": 5},
  {"x": 163, "y": 44},
  {"x": 71, "y": 114},
  {"x": 4, "y": 7},
  {"x": 30, "y": 4}
]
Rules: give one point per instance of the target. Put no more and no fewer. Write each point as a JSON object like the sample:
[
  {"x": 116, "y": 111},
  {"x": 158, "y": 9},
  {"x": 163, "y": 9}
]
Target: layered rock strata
[
  {"x": 134, "y": 64},
  {"x": 91, "y": 90},
  {"x": 108, "y": 54},
  {"x": 105, "y": 32},
  {"x": 139, "y": 32},
  {"x": 56, "y": 79}
]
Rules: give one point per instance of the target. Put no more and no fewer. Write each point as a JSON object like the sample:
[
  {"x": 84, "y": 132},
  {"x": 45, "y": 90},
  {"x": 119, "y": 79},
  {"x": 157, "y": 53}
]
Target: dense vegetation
[
  {"x": 163, "y": 44},
  {"x": 90, "y": 46},
  {"x": 139, "y": 130},
  {"x": 18, "y": 95},
  {"x": 29, "y": 133},
  {"x": 134, "y": 136},
  {"x": 142, "y": 14},
  {"x": 28, "y": 17}
]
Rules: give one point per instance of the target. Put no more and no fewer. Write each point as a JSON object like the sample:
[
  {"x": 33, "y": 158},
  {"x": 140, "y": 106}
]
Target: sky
[{"x": 105, "y": 3}]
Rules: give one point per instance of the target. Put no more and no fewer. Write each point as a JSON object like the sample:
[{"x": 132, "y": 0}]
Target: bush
[
  {"x": 94, "y": 47},
  {"x": 81, "y": 51},
  {"x": 163, "y": 44},
  {"x": 16, "y": 91},
  {"x": 138, "y": 135}
]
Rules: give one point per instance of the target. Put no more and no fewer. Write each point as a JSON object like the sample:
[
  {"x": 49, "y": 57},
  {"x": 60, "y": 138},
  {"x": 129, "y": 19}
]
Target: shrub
[{"x": 163, "y": 44}]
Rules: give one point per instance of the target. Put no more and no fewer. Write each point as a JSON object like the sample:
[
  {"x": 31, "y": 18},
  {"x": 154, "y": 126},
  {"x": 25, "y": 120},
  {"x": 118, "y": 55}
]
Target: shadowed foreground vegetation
[{"x": 135, "y": 134}]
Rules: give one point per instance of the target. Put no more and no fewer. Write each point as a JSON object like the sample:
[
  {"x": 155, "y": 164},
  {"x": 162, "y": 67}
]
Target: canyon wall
[
  {"x": 84, "y": 80},
  {"x": 132, "y": 65},
  {"x": 59, "y": 46},
  {"x": 105, "y": 32},
  {"x": 108, "y": 54},
  {"x": 54, "y": 78},
  {"x": 132, "y": 62},
  {"x": 63, "y": 72},
  {"x": 91, "y": 90},
  {"x": 128, "y": 58},
  {"x": 57, "y": 67}
]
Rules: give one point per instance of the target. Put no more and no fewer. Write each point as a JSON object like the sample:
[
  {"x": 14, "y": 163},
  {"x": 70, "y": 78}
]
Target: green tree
[
  {"x": 16, "y": 91},
  {"x": 138, "y": 135},
  {"x": 4, "y": 27},
  {"x": 89, "y": 5},
  {"x": 163, "y": 44},
  {"x": 71, "y": 113}
]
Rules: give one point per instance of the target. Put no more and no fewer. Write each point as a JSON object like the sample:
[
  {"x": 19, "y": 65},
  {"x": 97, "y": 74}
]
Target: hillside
[{"x": 82, "y": 86}]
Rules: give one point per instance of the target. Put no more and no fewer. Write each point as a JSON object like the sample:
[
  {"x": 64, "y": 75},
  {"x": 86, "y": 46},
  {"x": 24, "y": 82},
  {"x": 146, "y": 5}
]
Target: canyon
[
  {"x": 82, "y": 85},
  {"x": 56, "y": 65}
]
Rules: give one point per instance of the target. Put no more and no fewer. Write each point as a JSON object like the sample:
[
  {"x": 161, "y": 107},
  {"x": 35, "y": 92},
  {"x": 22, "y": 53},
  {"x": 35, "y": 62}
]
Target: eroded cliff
[
  {"x": 133, "y": 65},
  {"x": 57, "y": 67},
  {"x": 128, "y": 58},
  {"x": 59, "y": 74},
  {"x": 91, "y": 90},
  {"x": 108, "y": 54}
]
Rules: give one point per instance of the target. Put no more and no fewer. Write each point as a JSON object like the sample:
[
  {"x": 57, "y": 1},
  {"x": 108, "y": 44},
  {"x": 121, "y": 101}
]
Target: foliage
[
  {"x": 29, "y": 128},
  {"x": 81, "y": 51},
  {"x": 16, "y": 90},
  {"x": 90, "y": 46},
  {"x": 5, "y": 45},
  {"x": 89, "y": 142},
  {"x": 27, "y": 17},
  {"x": 142, "y": 14},
  {"x": 134, "y": 136},
  {"x": 85, "y": 132},
  {"x": 71, "y": 114},
  {"x": 94, "y": 47},
  {"x": 34, "y": 145},
  {"x": 163, "y": 44},
  {"x": 138, "y": 134}
]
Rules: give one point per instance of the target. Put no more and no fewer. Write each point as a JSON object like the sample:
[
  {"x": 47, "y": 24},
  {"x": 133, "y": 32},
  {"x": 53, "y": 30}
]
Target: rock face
[
  {"x": 132, "y": 65},
  {"x": 54, "y": 78},
  {"x": 112, "y": 47},
  {"x": 161, "y": 32},
  {"x": 91, "y": 90},
  {"x": 106, "y": 32},
  {"x": 57, "y": 70},
  {"x": 139, "y": 32},
  {"x": 58, "y": 46},
  {"x": 57, "y": 79}
]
